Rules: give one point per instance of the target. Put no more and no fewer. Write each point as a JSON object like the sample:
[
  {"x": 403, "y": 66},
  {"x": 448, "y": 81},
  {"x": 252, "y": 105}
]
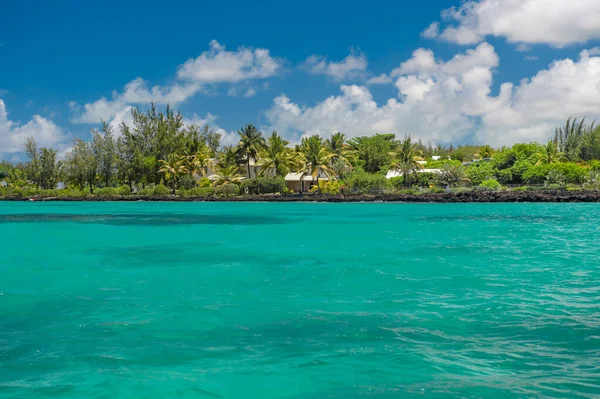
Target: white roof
[
  {"x": 394, "y": 173},
  {"x": 301, "y": 177}
]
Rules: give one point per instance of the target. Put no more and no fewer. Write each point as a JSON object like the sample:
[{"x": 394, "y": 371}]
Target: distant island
[{"x": 160, "y": 158}]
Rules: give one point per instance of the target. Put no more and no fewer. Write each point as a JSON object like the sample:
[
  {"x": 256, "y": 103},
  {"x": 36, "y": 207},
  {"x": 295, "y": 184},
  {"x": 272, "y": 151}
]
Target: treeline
[{"x": 159, "y": 152}]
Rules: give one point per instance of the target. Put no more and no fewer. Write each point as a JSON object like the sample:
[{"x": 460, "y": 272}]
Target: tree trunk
[{"x": 248, "y": 165}]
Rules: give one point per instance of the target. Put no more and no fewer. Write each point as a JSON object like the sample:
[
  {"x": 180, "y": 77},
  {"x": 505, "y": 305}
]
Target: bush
[
  {"x": 124, "y": 190},
  {"x": 262, "y": 185},
  {"x": 146, "y": 192},
  {"x": 521, "y": 188},
  {"x": 367, "y": 183},
  {"x": 199, "y": 192},
  {"x": 571, "y": 172},
  {"x": 106, "y": 192},
  {"x": 227, "y": 190},
  {"x": 490, "y": 184},
  {"x": 397, "y": 182},
  {"x": 480, "y": 171},
  {"x": 332, "y": 187},
  {"x": 161, "y": 190},
  {"x": 187, "y": 182},
  {"x": 204, "y": 182}
]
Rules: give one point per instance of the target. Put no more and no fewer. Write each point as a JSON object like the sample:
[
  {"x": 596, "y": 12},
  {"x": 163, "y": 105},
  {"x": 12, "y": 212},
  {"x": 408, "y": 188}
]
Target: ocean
[{"x": 299, "y": 300}]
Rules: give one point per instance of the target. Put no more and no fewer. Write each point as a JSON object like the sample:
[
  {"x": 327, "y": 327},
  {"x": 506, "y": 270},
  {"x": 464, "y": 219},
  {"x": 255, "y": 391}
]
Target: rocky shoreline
[{"x": 462, "y": 197}]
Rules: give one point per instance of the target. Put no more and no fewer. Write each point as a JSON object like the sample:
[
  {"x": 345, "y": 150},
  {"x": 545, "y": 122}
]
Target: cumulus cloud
[
  {"x": 351, "y": 67},
  {"x": 13, "y": 134},
  {"x": 217, "y": 65},
  {"x": 380, "y": 80},
  {"x": 554, "y": 22},
  {"x": 452, "y": 102}
]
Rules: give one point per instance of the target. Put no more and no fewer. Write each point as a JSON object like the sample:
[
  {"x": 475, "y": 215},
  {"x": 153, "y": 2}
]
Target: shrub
[
  {"x": 332, "y": 187},
  {"x": 187, "y": 182},
  {"x": 367, "y": 183},
  {"x": 521, "y": 188},
  {"x": 199, "y": 192},
  {"x": 397, "y": 182},
  {"x": 106, "y": 192},
  {"x": 124, "y": 190},
  {"x": 490, "y": 184},
  {"x": 571, "y": 172},
  {"x": 161, "y": 190},
  {"x": 480, "y": 171},
  {"x": 204, "y": 182},
  {"x": 146, "y": 192},
  {"x": 410, "y": 191},
  {"x": 262, "y": 185},
  {"x": 227, "y": 190}
]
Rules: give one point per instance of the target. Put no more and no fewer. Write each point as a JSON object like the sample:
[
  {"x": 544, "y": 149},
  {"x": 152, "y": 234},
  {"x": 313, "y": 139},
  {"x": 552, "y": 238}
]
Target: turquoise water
[{"x": 219, "y": 300}]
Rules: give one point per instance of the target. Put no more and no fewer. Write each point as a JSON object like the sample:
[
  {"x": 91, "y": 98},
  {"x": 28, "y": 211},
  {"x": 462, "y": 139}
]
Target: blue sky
[{"x": 304, "y": 67}]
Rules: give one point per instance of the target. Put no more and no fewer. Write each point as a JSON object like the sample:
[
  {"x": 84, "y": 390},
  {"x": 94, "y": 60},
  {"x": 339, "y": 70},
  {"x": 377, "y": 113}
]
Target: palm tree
[
  {"x": 406, "y": 159},
  {"x": 452, "y": 175},
  {"x": 228, "y": 174},
  {"x": 276, "y": 156},
  {"x": 229, "y": 157},
  {"x": 555, "y": 177},
  {"x": 339, "y": 148},
  {"x": 315, "y": 158},
  {"x": 550, "y": 154},
  {"x": 200, "y": 161},
  {"x": 485, "y": 151},
  {"x": 173, "y": 168},
  {"x": 251, "y": 144}
]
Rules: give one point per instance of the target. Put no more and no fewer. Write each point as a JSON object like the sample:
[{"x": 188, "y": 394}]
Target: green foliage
[
  {"x": 107, "y": 192},
  {"x": 227, "y": 190},
  {"x": 187, "y": 182},
  {"x": 480, "y": 171},
  {"x": 452, "y": 176},
  {"x": 124, "y": 190},
  {"x": 374, "y": 152},
  {"x": 161, "y": 190},
  {"x": 198, "y": 192},
  {"x": 571, "y": 173},
  {"x": 331, "y": 187},
  {"x": 146, "y": 192},
  {"x": 491, "y": 184},
  {"x": 397, "y": 182},
  {"x": 441, "y": 162},
  {"x": 362, "y": 182},
  {"x": 204, "y": 182},
  {"x": 262, "y": 185}
]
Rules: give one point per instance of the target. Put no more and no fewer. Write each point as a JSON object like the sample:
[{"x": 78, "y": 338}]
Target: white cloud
[
  {"x": 554, "y": 22},
  {"x": 452, "y": 101},
  {"x": 219, "y": 65},
  {"x": 380, "y": 80},
  {"x": 351, "y": 67},
  {"x": 531, "y": 58},
  {"x": 594, "y": 51},
  {"x": 216, "y": 65},
  {"x": 13, "y": 134}
]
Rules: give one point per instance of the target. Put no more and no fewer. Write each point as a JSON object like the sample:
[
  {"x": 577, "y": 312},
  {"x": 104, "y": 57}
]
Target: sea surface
[{"x": 306, "y": 300}]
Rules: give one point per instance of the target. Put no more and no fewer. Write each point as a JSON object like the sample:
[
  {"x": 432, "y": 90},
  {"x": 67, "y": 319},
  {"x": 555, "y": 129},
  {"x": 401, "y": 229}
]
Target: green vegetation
[{"x": 159, "y": 156}]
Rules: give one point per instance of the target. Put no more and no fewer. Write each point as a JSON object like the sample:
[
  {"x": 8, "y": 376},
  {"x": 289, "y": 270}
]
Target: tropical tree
[
  {"x": 228, "y": 174},
  {"x": 485, "y": 151},
  {"x": 104, "y": 148},
  {"x": 276, "y": 157},
  {"x": 228, "y": 157},
  {"x": 315, "y": 158},
  {"x": 452, "y": 175},
  {"x": 251, "y": 144},
  {"x": 570, "y": 138},
  {"x": 555, "y": 177},
  {"x": 173, "y": 168},
  {"x": 550, "y": 154},
  {"x": 341, "y": 150},
  {"x": 373, "y": 152},
  {"x": 199, "y": 162},
  {"x": 406, "y": 159}
]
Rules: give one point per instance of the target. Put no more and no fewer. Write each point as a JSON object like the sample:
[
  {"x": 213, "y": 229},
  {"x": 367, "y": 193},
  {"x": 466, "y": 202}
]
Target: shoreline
[{"x": 463, "y": 197}]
